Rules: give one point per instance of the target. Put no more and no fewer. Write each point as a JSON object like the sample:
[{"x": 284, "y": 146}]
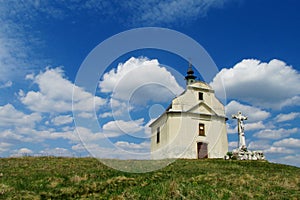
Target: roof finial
[
  {"x": 190, "y": 63},
  {"x": 190, "y": 78}
]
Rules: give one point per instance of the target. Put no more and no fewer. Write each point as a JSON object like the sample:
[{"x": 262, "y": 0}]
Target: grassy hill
[{"x": 87, "y": 178}]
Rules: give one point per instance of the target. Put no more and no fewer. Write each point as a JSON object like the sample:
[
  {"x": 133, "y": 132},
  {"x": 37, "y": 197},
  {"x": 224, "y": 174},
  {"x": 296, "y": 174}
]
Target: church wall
[
  {"x": 180, "y": 137},
  {"x": 158, "y": 149},
  {"x": 217, "y": 138}
]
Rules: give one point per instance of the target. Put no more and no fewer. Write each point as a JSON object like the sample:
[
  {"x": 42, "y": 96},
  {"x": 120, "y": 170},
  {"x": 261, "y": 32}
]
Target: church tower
[{"x": 190, "y": 77}]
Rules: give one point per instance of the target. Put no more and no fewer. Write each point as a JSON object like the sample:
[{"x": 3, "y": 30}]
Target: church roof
[{"x": 201, "y": 85}]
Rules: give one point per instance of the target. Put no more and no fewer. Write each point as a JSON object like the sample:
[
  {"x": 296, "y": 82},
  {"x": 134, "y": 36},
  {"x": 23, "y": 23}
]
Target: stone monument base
[{"x": 244, "y": 154}]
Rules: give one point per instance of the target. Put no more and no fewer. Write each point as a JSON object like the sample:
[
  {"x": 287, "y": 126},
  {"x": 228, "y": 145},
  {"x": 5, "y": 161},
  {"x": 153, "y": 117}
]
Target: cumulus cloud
[
  {"x": 291, "y": 159},
  {"x": 275, "y": 134},
  {"x": 22, "y": 152},
  {"x": 254, "y": 114},
  {"x": 259, "y": 145},
  {"x": 10, "y": 135},
  {"x": 4, "y": 146},
  {"x": 58, "y": 151},
  {"x": 254, "y": 126},
  {"x": 140, "y": 80},
  {"x": 265, "y": 85},
  {"x": 26, "y": 134},
  {"x": 130, "y": 146},
  {"x": 288, "y": 142},
  {"x": 136, "y": 83},
  {"x": 127, "y": 127},
  {"x": 248, "y": 127},
  {"x": 118, "y": 109},
  {"x": 88, "y": 136},
  {"x": 9, "y": 116},
  {"x": 287, "y": 117},
  {"x": 62, "y": 119},
  {"x": 278, "y": 150},
  {"x": 55, "y": 95},
  {"x": 232, "y": 145},
  {"x": 230, "y": 129}
]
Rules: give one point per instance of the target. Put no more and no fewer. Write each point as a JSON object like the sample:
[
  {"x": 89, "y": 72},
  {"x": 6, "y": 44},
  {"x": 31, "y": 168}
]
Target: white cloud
[
  {"x": 232, "y": 145},
  {"x": 254, "y": 114},
  {"x": 248, "y": 127},
  {"x": 88, "y": 136},
  {"x": 275, "y": 134},
  {"x": 287, "y": 117},
  {"x": 293, "y": 159},
  {"x": 230, "y": 129},
  {"x": 127, "y": 127},
  {"x": 130, "y": 146},
  {"x": 128, "y": 93},
  {"x": 288, "y": 142},
  {"x": 25, "y": 150},
  {"x": 119, "y": 109},
  {"x": 86, "y": 115},
  {"x": 157, "y": 12},
  {"x": 9, "y": 116},
  {"x": 259, "y": 145},
  {"x": 4, "y": 146},
  {"x": 140, "y": 80},
  {"x": 10, "y": 135},
  {"x": 55, "y": 95},
  {"x": 150, "y": 12},
  {"x": 79, "y": 147},
  {"x": 58, "y": 151},
  {"x": 106, "y": 114},
  {"x": 17, "y": 42},
  {"x": 22, "y": 152},
  {"x": 294, "y": 101},
  {"x": 12, "y": 53},
  {"x": 27, "y": 134},
  {"x": 62, "y": 119},
  {"x": 265, "y": 85},
  {"x": 254, "y": 126},
  {"x": 278, "y": 150},
  {"x": 7, "y": 84}
]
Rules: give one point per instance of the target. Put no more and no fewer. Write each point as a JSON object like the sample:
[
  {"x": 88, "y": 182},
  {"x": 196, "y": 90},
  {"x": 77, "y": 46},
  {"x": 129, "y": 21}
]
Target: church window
[
  {"x": 200, "y": 95},
  {"x": 158, "y": 135},
  {"x": 201, "y": 130}
]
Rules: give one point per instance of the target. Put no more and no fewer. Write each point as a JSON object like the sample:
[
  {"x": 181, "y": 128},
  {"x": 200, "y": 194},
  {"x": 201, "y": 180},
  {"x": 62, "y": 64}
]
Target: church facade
[{"x": 193, "y": 126}]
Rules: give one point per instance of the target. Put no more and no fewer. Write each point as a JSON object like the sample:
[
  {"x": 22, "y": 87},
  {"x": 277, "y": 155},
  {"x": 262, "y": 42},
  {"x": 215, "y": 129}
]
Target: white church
[{"x": 193, "y": 126}]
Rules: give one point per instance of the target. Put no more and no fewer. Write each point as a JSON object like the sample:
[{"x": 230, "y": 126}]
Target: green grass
[{"x": 87, "y": 178}]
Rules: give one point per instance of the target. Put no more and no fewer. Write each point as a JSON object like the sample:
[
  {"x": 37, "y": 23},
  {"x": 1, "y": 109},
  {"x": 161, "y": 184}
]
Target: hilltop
[{"x": 74, "y": 178}]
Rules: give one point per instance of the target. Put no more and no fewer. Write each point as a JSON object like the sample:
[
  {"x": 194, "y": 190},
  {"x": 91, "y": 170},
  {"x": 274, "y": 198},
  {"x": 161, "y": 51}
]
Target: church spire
[{"x": 190, "y": 78}]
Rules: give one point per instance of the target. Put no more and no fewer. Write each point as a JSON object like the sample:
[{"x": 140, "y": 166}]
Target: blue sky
[{"x": 255, "y": 45}]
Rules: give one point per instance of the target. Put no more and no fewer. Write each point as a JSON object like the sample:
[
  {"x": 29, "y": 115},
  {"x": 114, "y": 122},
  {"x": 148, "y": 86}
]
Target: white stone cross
[{"x": 240, "y": 118}]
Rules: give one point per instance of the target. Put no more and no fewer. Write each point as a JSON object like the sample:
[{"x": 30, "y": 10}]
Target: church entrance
[{"x": 202, "y": 150}]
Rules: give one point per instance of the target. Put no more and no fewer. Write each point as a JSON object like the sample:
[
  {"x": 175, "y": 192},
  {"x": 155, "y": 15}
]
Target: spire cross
[{"x": 190, "y": 63}]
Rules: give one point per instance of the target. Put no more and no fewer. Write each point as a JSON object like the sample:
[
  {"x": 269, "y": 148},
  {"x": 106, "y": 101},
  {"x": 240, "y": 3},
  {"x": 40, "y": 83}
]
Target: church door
[{"x": 202, "y": 150}]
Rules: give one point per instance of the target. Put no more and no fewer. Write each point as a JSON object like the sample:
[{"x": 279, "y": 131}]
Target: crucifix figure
[{"x": 240, "y": 118}]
